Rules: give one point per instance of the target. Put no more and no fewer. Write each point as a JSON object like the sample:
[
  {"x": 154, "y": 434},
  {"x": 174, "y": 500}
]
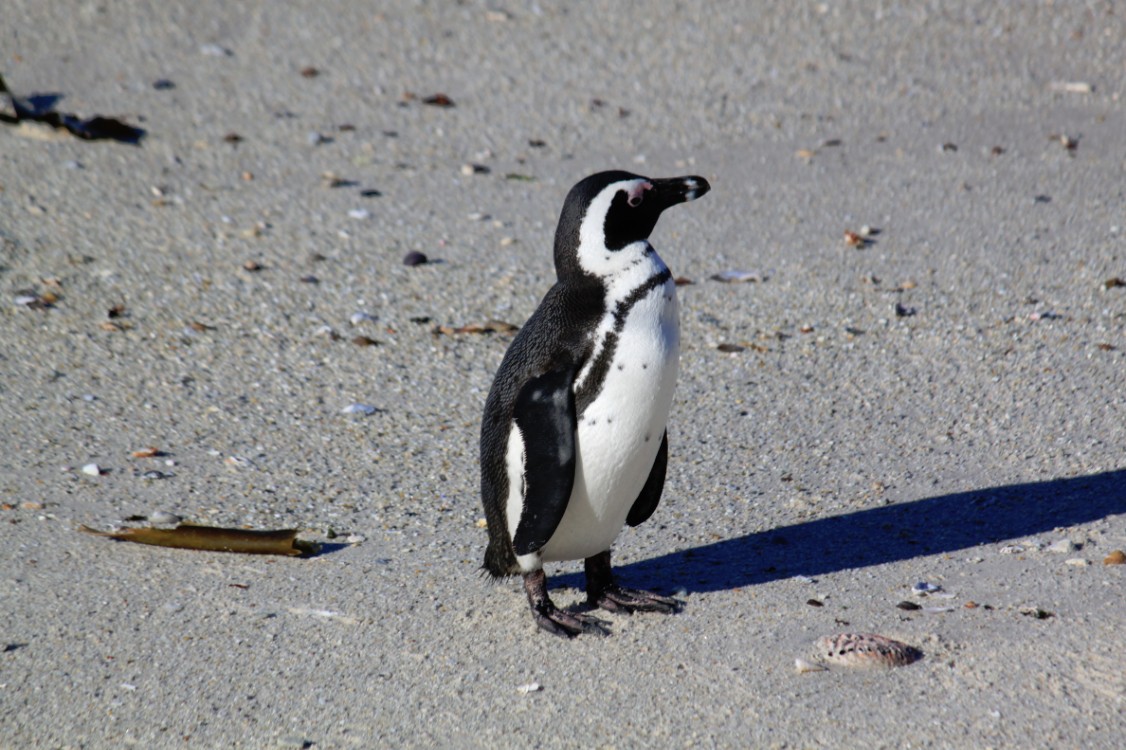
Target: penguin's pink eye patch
[{"x": 637, "y": 193}]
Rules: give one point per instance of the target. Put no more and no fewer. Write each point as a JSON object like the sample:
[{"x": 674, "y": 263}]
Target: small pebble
[
  {"x": 214, "y": 50},
  {"x": 1117, "y": 557},
  {"x": 162, "y": 517},
  {"x": 1012, "y": 549},
  {"x": 359, "y": 213},
  {"x": 415, "y": 258},
  {"x": 803, "y": 666},
  {"x": 531, "y": 687},
  {"x": 922, "y": 588},
  {"x": 361, "y": 317},
  {"x": 1063, "y": 546},
  {"x": 364, "y": 409},
  {"x": 313, "y": 138},
  {"x": 1036, "y": 612},
  {"x": 737, "y": 277},
  {"x": 92, "y": 469},
  {"x": 1077, "y": 562}
]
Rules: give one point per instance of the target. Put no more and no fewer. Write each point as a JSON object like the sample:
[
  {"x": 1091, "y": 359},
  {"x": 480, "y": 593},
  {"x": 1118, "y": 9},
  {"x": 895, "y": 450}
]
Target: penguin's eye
[{"x": 634, "y": 200}]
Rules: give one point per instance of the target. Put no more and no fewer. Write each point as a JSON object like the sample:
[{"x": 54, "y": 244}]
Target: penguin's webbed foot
[
  {"x": 567, "y": 624},
  {"x": 615, "y": 598},
  {"x": 554, "y": 620},
  {"x": 602, "y": 591}
]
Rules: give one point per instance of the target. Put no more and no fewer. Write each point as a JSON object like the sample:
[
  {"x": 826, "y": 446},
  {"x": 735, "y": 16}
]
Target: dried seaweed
[
  {"x": 13, "y": 111},
  {"x": 214, "y": 539}
]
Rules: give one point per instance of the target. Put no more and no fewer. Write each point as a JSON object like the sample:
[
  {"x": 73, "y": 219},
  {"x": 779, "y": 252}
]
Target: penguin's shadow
[{"x": 934, "y": 525}]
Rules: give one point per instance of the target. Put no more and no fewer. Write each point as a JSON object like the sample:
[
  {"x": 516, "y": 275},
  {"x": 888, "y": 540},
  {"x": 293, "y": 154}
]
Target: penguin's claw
[
  {"x": 615, "y": 598},
  {"x": 567, "y": 624},
  {"x": 554, "y": 620},
  {"x": 603, "y": 591}
]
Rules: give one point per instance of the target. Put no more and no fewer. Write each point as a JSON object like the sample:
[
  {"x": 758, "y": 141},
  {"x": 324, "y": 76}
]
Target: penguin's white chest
[{"x": 620, "y": 430}]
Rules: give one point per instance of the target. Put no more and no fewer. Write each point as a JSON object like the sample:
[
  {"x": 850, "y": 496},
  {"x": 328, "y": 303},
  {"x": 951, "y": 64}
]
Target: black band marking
[{"x": 592, "y": 385}]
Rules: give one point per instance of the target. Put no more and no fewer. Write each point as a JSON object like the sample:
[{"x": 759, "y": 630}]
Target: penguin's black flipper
[
  {"x": 650, "y": 495},
  {"x": 545, "y": 415}
]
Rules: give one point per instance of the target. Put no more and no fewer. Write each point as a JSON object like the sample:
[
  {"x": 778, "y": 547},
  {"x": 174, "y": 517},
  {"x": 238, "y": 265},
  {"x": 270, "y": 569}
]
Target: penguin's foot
[
  {"x": 554, "y": 620},
  {"x": 602, "y": 591}
]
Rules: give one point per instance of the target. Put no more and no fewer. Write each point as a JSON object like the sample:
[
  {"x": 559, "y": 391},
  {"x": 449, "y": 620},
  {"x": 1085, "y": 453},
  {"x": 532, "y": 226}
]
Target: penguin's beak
[{"x": 672, "y": 190}]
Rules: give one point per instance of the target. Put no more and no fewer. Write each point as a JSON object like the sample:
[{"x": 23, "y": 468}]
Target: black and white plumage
[{"x": 573, "y": 442}]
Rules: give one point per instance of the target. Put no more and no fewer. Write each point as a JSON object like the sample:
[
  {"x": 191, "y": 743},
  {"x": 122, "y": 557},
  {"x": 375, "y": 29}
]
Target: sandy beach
[{"x": 906, "y": 415}]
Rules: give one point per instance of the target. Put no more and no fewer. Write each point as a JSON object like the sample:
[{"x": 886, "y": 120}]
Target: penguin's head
[{"x": 608, "y": 217}]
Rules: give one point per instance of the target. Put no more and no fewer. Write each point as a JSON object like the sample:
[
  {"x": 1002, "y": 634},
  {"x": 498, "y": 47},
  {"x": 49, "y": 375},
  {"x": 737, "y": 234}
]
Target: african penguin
[{"x": 573, "y": 441}]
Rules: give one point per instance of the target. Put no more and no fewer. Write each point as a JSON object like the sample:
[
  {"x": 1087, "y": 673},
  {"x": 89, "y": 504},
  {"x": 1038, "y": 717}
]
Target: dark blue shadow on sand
[{"x": 887, "y": 534}]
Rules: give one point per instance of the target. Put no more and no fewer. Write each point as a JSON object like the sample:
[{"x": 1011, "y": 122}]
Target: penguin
[{"x": 573, "y": 439}]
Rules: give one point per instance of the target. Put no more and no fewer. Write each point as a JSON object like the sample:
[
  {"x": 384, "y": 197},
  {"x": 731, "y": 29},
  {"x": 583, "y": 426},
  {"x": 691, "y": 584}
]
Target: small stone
[
  {"x": 359, "y": 213},
  {"x": 736, "y": 276},
  {"x": 1012, "y": 549},
  {"x": 531, "y": 687},
  {"x": 163, "y": 517},
  {"x": 364, "y": 341},
  {"x": 1117, "y": 557},
  {"x": 355, "y": 539},
  {"x": 1062, "y": 547},
  {"x": 804, "y": 665},
  {"x": 364, "y": 409},
  {"x": 239, "y": 462},
  {"x": 415, "y": 258},
  {"x": 1036, "y": 612},
  {"x": 31, "y": 505},
  {"x": 214, "y": 50},
  {"x": 922, "y": 588},
  {"x": 1077, "y": 562},
  {"x": 361, "y": 317},
  {"x": 92, "y": 470}
]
